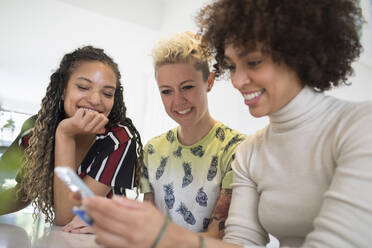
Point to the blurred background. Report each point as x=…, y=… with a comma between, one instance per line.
x=34, y=35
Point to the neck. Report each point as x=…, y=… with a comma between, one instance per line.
x=189, y=135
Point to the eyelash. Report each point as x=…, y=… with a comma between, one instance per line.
x=107, y=95
x=166, y=92
x=250, y=64
x=82, y=87
x=230, y=67
x=186, y=87
x=254, y=63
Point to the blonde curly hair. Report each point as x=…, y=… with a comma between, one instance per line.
x=183, y=47
x=37, y=173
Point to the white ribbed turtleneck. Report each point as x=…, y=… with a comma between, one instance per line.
x=306, y=178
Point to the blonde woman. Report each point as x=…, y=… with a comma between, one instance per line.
x=187, y=170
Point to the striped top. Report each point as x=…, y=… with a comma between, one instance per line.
x=111, y=160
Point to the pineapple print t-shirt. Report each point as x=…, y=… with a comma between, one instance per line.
x=186, y=180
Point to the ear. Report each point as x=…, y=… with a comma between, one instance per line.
x=210, y=81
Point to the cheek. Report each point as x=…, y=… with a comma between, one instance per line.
x=203, y=100
x=233, y=81
x=166, y=101
x=109, y=105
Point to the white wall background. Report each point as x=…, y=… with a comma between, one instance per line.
x=34, y=35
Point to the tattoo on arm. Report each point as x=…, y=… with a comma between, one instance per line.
x=221, y=226
x=223, y=204
x=217, y=222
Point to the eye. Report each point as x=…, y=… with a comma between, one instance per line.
x=254, y=63
x=108, y=94
x=187, y=87
x=230, y=67
x=82, y=87
x=165, y=92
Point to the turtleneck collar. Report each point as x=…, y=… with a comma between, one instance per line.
x=300, y=109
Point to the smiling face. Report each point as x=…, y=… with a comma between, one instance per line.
x=266, y=86
x=184, y=93
x=92, y=85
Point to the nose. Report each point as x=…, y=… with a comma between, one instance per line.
x=95, y=98
x=179, y=98
x=240, y=78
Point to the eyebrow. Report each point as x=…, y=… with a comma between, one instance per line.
x=90, y=81
x=243, y=54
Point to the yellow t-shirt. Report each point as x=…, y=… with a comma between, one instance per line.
x=186, y=180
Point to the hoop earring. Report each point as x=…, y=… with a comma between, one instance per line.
x=60, y=106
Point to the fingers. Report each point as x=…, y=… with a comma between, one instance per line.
x=85, y=121
x=114, y=217
x=107, y=239
x=75, y=223
x=83, y=230
x=106, y=214
x=116, y=233
x=75, y=198
x=124, y=220
x=125, y=202
x=94, y=122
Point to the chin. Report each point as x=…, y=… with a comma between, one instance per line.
x=257, y=114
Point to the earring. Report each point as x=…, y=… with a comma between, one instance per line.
x=60, y=106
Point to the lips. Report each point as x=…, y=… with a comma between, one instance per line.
x=253, y=95
x=91, y=109
x=182, y=112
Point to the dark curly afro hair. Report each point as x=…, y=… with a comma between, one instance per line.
x=318, y=39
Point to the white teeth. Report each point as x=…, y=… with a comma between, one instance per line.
x=184, y=111
x=253, y=95
x=88, y=109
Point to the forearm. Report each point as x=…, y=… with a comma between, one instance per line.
x=64, y=156
x=10, y=202
x=216, y=227
x=187, y=239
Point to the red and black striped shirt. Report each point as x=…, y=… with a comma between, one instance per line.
x=111, y=160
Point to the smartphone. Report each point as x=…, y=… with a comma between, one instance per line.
x=75, y=184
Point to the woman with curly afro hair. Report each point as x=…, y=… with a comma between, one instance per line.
x=306, y=177
x=82, y=124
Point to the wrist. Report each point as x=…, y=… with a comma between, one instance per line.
x=62, y=136
x=63, y=131
x=161, y=233
x=64, y=150
x=175, y=234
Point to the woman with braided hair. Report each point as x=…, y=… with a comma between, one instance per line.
x=82, y=124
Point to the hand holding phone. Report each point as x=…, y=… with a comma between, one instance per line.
x=75, y=184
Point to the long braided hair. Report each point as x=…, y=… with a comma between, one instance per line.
x=37, y=183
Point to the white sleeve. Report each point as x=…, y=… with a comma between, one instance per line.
x=242, y=224
x=345, y=218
